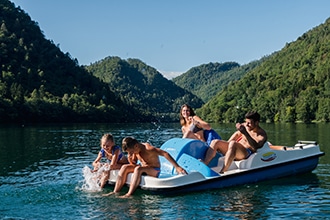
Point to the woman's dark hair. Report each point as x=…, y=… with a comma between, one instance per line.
x=182, y=119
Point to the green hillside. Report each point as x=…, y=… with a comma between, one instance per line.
x=291, y=85
x=143, y=87
x=207, y=80
x=39, y=83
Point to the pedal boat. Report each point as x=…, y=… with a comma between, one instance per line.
x=265, y=164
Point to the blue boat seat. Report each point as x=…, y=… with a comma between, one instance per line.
x=193, y=151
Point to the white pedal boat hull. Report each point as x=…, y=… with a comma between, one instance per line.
x=265, y=164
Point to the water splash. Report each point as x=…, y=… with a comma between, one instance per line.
x=91, y=181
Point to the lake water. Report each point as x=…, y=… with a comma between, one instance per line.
x=41, y=177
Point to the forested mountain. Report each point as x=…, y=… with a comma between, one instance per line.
x=207, y=80
x=39, y=83
x=291, y=85
x=142, y=86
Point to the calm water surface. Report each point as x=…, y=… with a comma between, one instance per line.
x=41, y=177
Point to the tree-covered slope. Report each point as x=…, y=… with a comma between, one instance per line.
x=143, y=87
x=207, y=80
x=292, y=84
x=39, y=83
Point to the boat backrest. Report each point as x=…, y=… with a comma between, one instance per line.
x=265, y=147
x=190, y=164
x=176, y=147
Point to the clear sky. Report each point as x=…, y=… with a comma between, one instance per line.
x=174, y=35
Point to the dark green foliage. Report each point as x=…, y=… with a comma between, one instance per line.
x=290, y=85
x=39, y=83
x=143, y=87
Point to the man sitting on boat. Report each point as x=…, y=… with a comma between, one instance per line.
x=246, y=140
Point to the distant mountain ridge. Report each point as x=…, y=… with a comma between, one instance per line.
x=39, y=83
x=142, y=86
x=206, y=80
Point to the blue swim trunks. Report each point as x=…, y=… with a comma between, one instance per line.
x=157, y=169
x=249, y=151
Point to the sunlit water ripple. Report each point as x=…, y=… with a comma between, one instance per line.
x=51, y=185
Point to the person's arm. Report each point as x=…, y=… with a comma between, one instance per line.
x=183, y=130
x=200, y=123
x=234, y=136
x=97, y=161
x=132, y=159
x=114, y=158
x=256, y=144
x=165, y=154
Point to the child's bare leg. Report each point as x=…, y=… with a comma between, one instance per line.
x=137, y=178
x=122, y=176
x=105, y=178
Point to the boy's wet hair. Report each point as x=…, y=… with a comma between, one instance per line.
x=129, y=143
x=253, y=116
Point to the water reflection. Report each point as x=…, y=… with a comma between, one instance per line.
x=242, y=203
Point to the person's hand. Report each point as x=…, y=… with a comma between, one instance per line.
x=108, y=167
x=180, y=170
x=191, y=119
x=106, y=151
x=240, y=127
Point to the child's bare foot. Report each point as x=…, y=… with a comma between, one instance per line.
x=125, y=196
x=108, y=194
